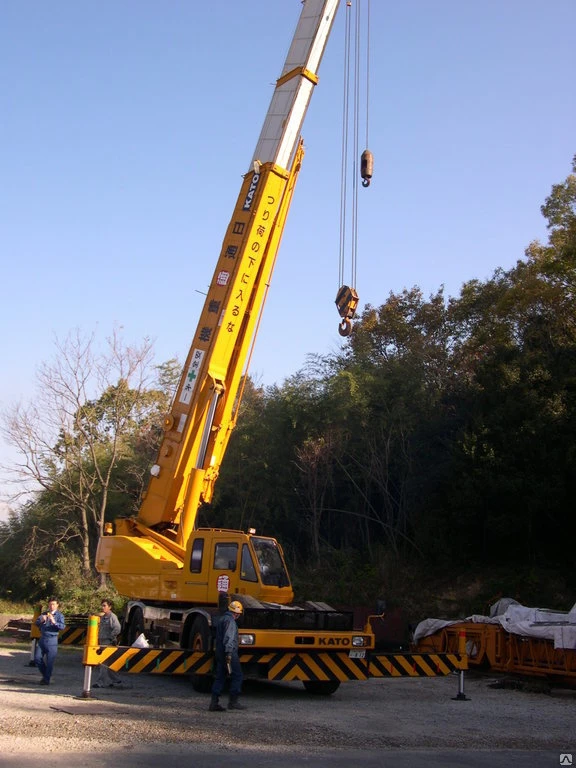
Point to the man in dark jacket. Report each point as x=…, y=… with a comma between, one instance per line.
x=50, y=623
x=108, y=631
x=227, y=660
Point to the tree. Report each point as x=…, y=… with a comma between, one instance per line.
x=557, y=260
x=513, y=460
x=89, y=409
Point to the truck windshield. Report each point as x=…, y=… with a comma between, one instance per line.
x=270, y=562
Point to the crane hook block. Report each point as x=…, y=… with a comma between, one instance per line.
x=345, y=327
x=346, y=303
x=366, y=167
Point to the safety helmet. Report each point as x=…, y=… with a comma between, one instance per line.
x=236, y=607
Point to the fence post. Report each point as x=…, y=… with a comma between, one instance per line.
x=461, y=696
x=34, y=634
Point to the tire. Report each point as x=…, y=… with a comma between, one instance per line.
x=200, y=640
x=321, y=687
x=135, y=624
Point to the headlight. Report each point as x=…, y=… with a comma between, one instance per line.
x=246, y=639
x=359, y=640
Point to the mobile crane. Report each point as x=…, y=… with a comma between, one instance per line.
x=178, y=576
x=174, y=573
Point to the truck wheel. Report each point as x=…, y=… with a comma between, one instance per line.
x=199, y=640
x=321, y=687
x=135, y=624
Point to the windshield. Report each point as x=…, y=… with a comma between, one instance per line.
x=270, y=562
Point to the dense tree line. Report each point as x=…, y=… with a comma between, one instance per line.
x=446, y=428
x=444, y=431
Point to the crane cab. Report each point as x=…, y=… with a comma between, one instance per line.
x=237, y=563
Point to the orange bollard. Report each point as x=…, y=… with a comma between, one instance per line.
x=92, y=632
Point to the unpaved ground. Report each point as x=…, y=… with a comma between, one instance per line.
x=374, y=715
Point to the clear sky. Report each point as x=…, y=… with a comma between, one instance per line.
x=126, y=127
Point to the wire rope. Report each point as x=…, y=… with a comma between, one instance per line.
x=356, y=144
x=344, y=151
x=351, y=162
x=367, y=72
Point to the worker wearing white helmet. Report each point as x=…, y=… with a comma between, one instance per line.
x=227, y=660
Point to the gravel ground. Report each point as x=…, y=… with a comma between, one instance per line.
x=378, y=714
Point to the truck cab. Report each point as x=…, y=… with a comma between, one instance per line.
x=237, y=563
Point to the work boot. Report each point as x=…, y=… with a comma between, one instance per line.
x=235, y=704
x=215, y=706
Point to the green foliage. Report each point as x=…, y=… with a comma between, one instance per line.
x=69, y=583
x=94, y=470
x=439, y=440
x=343, y=577
x=446, y=427
x=77, y=593
x=17, y=607
x=168, y=377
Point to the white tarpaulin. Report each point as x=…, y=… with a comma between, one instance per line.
x=560, y=627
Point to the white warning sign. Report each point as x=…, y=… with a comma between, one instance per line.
x=223, y=583
x=191, y=376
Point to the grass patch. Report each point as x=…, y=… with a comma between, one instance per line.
x=7, y=606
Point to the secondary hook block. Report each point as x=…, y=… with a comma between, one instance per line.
x=366, y=167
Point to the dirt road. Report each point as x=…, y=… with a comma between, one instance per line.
x=380, y=717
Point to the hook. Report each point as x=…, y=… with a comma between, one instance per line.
x=345, y=327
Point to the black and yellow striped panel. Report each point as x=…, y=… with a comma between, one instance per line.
x=415, y=664
x=72, y=635
x=278, y=665
x=310, y=665
x=158, y=661
x=272, y=665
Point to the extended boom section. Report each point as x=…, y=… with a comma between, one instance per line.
x=204, y=411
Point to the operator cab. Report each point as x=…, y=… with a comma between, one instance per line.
x=237, y=563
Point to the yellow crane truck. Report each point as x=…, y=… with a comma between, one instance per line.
x=177, y=575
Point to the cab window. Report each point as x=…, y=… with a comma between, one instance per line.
x=196, y=556
x=247, y=571
x=225, y=557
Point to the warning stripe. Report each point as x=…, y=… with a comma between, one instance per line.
x=415, y=665
x=292, y=665
x=158, y=661
x=72, y=636
x=310, y=665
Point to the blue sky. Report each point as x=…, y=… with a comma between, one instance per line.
x=125, y=129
